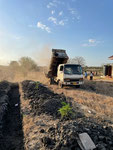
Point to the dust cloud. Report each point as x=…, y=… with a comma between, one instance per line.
x=43, y=56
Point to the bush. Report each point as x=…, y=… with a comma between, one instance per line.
x=65, y=110
x=27, y=64
x=37, y=85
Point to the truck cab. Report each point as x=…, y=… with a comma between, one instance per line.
x=69, y=74
x=63, y=73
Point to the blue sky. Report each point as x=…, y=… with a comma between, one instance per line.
x=82, y=27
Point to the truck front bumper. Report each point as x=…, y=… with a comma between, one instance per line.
x=73, y=83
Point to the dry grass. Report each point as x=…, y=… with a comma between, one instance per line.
x=92, y=96
x=96, y=95
x=101, y=104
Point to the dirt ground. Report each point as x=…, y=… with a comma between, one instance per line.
x=94, y=97
x=12, y=136
x=47, y=129
x=13, y=131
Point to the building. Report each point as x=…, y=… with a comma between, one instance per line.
x=108, y=69
x=111, y=57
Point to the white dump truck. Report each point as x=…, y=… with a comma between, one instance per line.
x=63, y=73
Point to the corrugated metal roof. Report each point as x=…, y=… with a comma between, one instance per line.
x=111, y=57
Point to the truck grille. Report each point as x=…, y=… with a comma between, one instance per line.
x=71, y=80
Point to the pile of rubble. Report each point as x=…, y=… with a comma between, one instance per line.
x=64, y=135
x=42, y=100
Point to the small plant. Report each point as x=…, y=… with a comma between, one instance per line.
x=65, y=110
x=37, y=85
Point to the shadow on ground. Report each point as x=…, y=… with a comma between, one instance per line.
x=13, y=138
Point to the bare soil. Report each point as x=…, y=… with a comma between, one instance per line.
x=12, y=132
x=45, y=130
x=26, y=129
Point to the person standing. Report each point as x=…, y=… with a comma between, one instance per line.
x=85, y=74
x=91, y=75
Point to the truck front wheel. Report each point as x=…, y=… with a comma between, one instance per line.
x=51, y=81
x=77, y=86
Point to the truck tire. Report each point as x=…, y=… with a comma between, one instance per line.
x=51, y=81
x=77, y=86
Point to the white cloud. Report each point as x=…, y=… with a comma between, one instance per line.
x=51, y=4
x=43, y=27
x=62, y=18
x=91, y=43
x=52, y=12
x=92, y=40
x=54, y=20
x=60, y=13
x=74, y=13
x=61, y=23
x=54, y=3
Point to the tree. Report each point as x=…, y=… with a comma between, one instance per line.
x=14, y=64
x=27, y=64
x=77, y=60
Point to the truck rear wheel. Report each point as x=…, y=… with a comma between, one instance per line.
x=51, y=81
x=77, y=86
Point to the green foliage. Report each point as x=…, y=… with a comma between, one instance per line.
x=65, y=110
x=37, y=85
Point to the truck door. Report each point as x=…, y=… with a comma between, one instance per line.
x=60, y=73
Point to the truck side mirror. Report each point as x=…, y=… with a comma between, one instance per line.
x=61, y=68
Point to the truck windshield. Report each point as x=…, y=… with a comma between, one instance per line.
x=72, y=69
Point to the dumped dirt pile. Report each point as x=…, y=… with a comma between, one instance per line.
x=41, y=98
x=64, y=135
x=54, y=133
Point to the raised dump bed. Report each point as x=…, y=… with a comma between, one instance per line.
x=58, y=57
